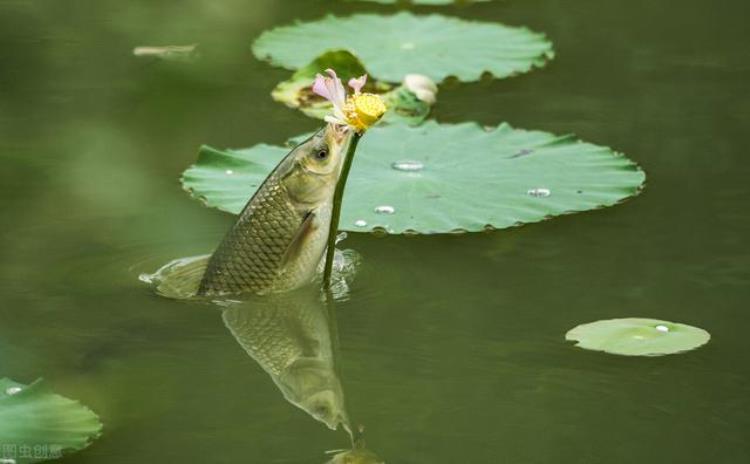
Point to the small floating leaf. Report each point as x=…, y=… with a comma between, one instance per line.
x=439, y=178
x=403, y=104
x=394, y=46
x=638, y=337
x=42, y=425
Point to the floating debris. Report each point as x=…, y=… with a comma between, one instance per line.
x=10, y=391
x=169, y=52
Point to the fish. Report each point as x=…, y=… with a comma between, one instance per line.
x=278, y=240
x=280, y=236
x=290, y=336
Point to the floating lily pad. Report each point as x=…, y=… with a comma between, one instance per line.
x=403, y=105
x=394, y=46
x=439, y=178
x=638, y=337
x=37, y=425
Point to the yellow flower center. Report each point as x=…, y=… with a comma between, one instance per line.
x=364, y=110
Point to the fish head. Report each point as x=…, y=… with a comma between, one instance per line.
x=325, y=406
x=315, y=165
x=313, y=386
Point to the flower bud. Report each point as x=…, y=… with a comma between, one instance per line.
x=421, y=86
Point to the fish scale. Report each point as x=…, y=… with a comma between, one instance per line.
x=250, y=256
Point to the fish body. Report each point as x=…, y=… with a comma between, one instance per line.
x=280, y=236
x=289, y=336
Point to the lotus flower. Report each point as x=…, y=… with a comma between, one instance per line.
x=359, y=110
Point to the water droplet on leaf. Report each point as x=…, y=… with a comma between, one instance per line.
x=539, y=192
x=229, y=172
x=408, y=165
x=662, y=328
x=13, y=390
x=385, y=209
x=360, y=223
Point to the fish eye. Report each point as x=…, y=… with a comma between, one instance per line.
x=321, y=154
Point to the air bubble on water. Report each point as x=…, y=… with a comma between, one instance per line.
x=360, y=223
x=385, y=209
x=407, y=165
x=539, y=192
x=229, y=172
x=10, y=391
x=662, y=328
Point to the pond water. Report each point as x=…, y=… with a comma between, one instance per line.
x=450, y=348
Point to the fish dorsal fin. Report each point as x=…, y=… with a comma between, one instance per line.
x=297, y=244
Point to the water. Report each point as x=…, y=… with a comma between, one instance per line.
x=451, y=348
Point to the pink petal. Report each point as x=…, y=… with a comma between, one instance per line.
x=358, y=83
x=320, y=88
x=336, y=88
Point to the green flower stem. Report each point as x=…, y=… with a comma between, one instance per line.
x=336, y=213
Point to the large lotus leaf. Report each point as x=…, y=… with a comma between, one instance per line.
x=37, y=425
x=439, y=178
x=403, y=105
x=393, y=46
x=637, y=337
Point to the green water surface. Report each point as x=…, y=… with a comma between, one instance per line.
x=451, y=347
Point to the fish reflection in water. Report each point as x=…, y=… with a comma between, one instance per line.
x=289, y=336
x=359, y=454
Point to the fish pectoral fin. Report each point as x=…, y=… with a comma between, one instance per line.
x=297, y=244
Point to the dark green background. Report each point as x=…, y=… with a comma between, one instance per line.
x=452, y=347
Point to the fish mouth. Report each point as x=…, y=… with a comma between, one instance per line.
x=342, y=135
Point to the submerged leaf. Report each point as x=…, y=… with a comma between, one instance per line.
x=440, y=178
x=394, y=46
x=403, y=105
x=40, y=425
x=638, y=337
